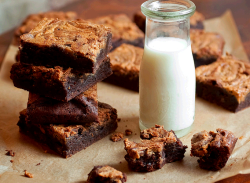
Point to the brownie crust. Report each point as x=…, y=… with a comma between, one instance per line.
x=81, y=109
x=125, y=63
x=214, y=149
x=207, y=47
x=56, y=83
x=76, y=44
x=67, y=140
x=123, y=30
x=32, y=20
x=106, y=174
x=220, y=96
x=225, y=83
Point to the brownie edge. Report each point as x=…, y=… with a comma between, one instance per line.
x=67, y=140
x=78, y=44
x=56, y=83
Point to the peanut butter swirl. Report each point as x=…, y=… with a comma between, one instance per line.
x=77, y=36
x=121, y=26
x=206, y=45
x=229, y=73
x=126, y=57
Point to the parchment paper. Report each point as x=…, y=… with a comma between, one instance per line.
x=53, y=168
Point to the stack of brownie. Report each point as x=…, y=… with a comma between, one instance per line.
x=61, y=62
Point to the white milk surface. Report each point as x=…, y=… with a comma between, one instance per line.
x=167, y=84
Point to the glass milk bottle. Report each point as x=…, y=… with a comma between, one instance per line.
x=167, y=73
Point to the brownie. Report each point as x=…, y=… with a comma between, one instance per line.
x=67, y=140
x=207, y=47
x=81, y=109
x=123, y=30
x=146, y=156
x=77, y=44
x=157, y=148
x=196, y=20
x=225, y=82
x=106, y=174
x=213, y=149
x=32, y=20
x=118, y=136
x=125, y=63
x=56, y=83
x=173, y=147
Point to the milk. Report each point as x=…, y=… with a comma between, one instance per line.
x=167, y=84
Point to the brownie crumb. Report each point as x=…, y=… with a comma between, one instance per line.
x=27, y=174
x=128, y=132
x=115, y=137
x=11, y=161
x=38, y=164
x=10, y=153
x=118, y=119
x=106, y=174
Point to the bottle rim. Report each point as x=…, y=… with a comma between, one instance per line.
x=164, y=9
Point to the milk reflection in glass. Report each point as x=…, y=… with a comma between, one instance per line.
x=167, y=84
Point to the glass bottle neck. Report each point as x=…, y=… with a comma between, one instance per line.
x=167, y=29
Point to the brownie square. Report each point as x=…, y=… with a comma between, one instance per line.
x=67, y=140
x=32, y=20
x=173, y=147
x=157, y=148
x=81, y=109
x=106, y=174
x=77, y=44
x=207, y=47
x=123, y=30
x=213, y=149
x=196, y=20
x=56, y=83
x=125, y=63
x=225, y=83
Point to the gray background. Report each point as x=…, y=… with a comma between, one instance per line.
x=12, y=12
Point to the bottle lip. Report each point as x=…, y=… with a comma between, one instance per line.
x=168, y=9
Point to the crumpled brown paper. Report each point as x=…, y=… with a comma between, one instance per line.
x=53, y=168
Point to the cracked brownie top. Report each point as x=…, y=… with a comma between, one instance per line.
x=203, y=141
x=206, y=45
x=109, y=172
x=229, y=73
x=126, y=58
x=32, y=20
x=81, y=37
x=144, y=148
x=121, y=26
x=158, y=133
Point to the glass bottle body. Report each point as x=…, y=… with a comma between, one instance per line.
x=167, y=76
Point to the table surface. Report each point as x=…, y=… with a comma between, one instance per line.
x=210, y=8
